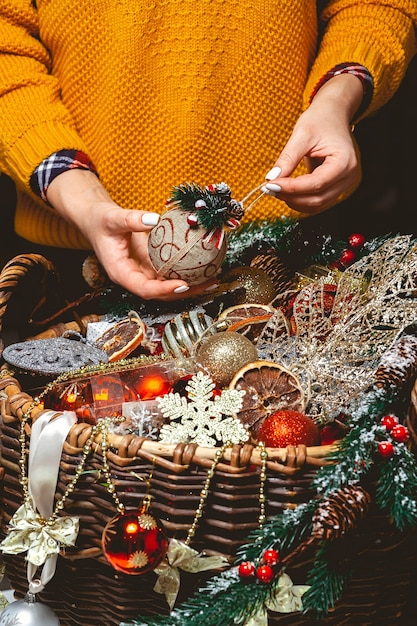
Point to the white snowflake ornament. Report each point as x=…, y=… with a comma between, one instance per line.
x=201, y=418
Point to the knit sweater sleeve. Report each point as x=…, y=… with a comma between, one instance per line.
x=34, y=123
x=378, y=34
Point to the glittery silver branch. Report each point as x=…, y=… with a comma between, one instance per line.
x=336, y=352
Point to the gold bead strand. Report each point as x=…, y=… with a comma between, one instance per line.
x=103, y=427
x=262, y=479
x=205, y=492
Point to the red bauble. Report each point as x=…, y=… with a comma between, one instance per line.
x=150, y=387
x=270, y=557
x=246, y=569
x=331, y=432
x=389, y=421
x=347, y=257
x=265, y=574
x=386, y=449
x=134, y=542
x=400, y=433
x=356, y=240
x=288, y=428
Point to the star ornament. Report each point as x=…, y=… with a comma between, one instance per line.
x=40, y=538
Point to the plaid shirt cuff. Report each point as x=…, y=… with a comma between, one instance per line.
x=357, y=70
x=54, y=165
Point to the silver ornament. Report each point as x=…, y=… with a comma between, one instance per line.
x=181, y=333
x=28, y=611
x=53, y=356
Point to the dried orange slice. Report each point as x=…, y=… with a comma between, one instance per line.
x=121, y=339
x=246, y=310
x=269, y=388
x=251, y=327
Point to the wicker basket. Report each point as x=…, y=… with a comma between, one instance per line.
x=86, y=590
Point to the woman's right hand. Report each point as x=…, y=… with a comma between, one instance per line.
x=118, y=236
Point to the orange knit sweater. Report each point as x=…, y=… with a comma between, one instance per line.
x=158, y=93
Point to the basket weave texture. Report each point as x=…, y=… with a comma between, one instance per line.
x=86, y=590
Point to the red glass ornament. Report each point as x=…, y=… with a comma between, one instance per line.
x=386, y=449
x=400, y=433
x=288, y=428
x=246, y=569
x=347, y=257
x=265, y=574
x=151, y=385
x=356, y=240
x=134, y=542
x=270, y=557
x=389, y=421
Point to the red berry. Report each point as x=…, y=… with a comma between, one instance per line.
x=389, y=421
x=270, y=557
x=347, y=257
x=192, y=220
x=386, y=449
x=356, y=240
x=246, y=569
x=265, y=574
x=400, y=433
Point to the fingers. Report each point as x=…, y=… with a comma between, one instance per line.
x=165, y=290
x=122, y=221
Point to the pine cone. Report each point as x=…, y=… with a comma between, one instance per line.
x=282, y=277
x=340, y=512
x=398, y=366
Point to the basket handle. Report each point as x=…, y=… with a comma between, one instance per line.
x=15, y=270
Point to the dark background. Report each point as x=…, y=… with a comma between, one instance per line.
x=385, y=202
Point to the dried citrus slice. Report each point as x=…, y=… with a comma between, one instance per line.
x=121, y=339
x=251, y=327
x=269, y=388
x=243, y=311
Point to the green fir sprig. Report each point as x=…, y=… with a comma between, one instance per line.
x=211, y=204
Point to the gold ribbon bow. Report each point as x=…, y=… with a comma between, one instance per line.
x=285, y=599
x=180, y=556
x=30, y=533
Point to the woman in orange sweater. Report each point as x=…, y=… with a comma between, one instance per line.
x=104, y=107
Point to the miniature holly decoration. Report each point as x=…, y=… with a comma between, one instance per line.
x=246, y=570
x=386, y=449
x=265, y=571
x=356, y=240
x=389, y=421
x=265, y=574
x=398, y=432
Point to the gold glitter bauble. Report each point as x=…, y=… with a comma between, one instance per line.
x=257, y=285
x=223, y=354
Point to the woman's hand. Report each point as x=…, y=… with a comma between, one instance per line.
x=117, y=236
x=322, y=137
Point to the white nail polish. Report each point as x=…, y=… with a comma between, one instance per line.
x=212, y=287
x=274, y=173
x=273, y=187
x=181, y=289
x=150, y=219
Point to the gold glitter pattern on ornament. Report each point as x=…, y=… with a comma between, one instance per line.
x=147, y=521
x=257, y=285
x=138, y=559
x=336, y=352
x=224, y=353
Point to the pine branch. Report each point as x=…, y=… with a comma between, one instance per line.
x=282, y=532
x=326, y=583
x=224, y=600
x=397, y=488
